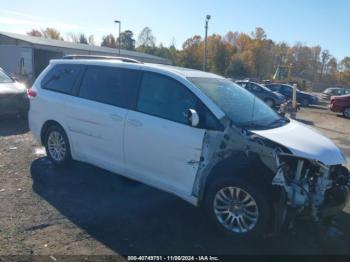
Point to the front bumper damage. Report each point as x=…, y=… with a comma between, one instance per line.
x=309, y=189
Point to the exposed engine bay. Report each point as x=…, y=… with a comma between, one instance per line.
x=307, y=186
x=311, y=187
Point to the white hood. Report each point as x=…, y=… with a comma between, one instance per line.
x=304, y=142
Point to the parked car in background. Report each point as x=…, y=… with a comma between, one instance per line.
x=269, y=97
x=304, y=98
x=334, y=91
x=193, y=134
x=13, y=96
x=341, y=104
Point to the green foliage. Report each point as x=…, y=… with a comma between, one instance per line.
x=237, y=69
x=109, y=41
x=126, y=40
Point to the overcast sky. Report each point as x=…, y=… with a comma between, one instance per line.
x=312, y=22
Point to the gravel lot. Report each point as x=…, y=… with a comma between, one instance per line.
x=84, y=210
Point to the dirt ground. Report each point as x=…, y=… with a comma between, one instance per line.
x=83, y=210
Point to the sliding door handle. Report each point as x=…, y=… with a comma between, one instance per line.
x=135, y=122
x=116, y=117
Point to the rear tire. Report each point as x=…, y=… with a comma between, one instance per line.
x=346, y=112
x=57, y=146
x=305, y=102
x=238, y=208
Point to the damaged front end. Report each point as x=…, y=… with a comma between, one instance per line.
x=302, y=187
x=310, y=188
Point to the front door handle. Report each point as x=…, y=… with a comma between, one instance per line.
x=193, y=162
x=135, y=122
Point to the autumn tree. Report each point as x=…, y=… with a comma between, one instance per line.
x=325, y=56
x=218, y=55
x=35, y=33
x=345, y=64
x=51, y=33
x=192, y=53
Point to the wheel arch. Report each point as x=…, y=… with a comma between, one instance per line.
x=46, y=127
x=236, y=165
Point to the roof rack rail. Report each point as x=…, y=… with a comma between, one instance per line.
x=123, y=59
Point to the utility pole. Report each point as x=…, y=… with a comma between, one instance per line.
x=206, y=43
x=118, y=22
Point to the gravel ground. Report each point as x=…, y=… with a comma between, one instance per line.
x=83, y=210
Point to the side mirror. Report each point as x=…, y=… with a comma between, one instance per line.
x=193, y=117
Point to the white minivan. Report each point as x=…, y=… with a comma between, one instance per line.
x=190, y=133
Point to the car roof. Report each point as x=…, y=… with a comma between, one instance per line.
x=180, y=71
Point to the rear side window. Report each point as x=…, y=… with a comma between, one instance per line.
x=255, y=88
x=61, y=78
x=110, y=85
x=275, y=88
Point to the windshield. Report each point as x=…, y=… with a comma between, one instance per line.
x=5, y=78
x=242, y=107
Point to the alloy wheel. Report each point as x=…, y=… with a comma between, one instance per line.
x=236, y=209
x=56, y=146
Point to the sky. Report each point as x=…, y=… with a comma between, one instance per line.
x=312, y=22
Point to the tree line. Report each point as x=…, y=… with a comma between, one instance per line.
x=235, y=55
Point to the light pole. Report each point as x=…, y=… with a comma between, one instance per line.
x=120, y=23
x=206, y=43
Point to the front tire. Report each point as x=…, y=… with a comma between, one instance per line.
x=57, y=146
x=238, y=208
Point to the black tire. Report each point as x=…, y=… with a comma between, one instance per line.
x=346, y=113
x=305, y=102
x=261, y=198
x=67, y=158
x=270, y=102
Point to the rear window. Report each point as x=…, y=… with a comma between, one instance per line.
x=110, y=85
x=61, y=78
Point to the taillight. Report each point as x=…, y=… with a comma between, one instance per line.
x=31, y=93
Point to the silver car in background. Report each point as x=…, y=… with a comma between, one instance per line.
x=13, y=96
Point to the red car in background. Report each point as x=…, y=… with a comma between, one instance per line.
x=341, y=104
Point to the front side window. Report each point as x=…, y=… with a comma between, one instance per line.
x=109, y=85
x=61, y=78
x=4, y=78
x=164, y=97
x=242, y=107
